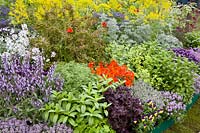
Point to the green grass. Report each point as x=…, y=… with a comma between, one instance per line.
x=190, y=124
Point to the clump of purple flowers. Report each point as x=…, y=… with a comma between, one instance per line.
x=174, y=103
x=24, y=85
x=124, y=108
x=193, y=54
x=4, y=21
x=23, y=126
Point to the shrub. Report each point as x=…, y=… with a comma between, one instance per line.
x=25, y=86
x=75, y=75
x=192, y=39
x=72, y=39
x=15, y=125
x=168, y=41
x=114, y=71
x=125, y=32
x=166, y=71
x=145, y=92
x=88, y=107
x=124, y=108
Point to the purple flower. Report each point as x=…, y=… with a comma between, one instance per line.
x=22, y=80
x=118, y=15
x=193, y=54
x=25, y=126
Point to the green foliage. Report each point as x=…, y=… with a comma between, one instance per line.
x=75, y=75
x=99, y=126
x=168, y=41
x=161, y=68
x=70, y=38
x=149, y=118
x=145, y=92
x=192, y=39
x=89, y=106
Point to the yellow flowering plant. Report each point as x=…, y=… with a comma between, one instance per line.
x=147, y=10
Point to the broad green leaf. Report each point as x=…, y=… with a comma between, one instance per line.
x=83, y=108
x=65, y=119
x=60, y=120
x=51, y=111
x=68, y=106
x=55, y=118
x=73, y=114
x=91, y=120
x=72, y=122
x=98, y=116
x=46, y=116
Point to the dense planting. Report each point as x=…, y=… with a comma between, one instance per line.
x=88, y=66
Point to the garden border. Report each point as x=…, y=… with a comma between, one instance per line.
x=168, y=123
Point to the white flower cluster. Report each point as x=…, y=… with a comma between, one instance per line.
x=15, y=41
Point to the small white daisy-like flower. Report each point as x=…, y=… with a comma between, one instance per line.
x=53, y=54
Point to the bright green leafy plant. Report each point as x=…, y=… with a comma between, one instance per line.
x=192, y=39
x=75, y=75
x=70, y=109
x=164, y=71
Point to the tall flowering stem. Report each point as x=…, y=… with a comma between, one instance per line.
x=24, y=84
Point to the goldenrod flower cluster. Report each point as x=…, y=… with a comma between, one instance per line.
x=147, y=9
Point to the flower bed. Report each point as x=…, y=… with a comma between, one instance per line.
x=88, y=66
x=168, y=123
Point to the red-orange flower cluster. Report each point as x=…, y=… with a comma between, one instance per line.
x=69, y=30
x=104, y=24
x=114, y=71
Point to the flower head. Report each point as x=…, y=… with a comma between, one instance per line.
x=104, y=24
x=70, y=30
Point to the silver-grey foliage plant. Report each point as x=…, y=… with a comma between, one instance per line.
x=145, y=92
x=168, y=41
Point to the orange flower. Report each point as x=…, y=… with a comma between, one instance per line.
x=91, y=65
x=104, y=24
x=69, y=30
x=114, y=71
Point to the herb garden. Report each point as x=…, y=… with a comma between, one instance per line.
x=97, y=66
